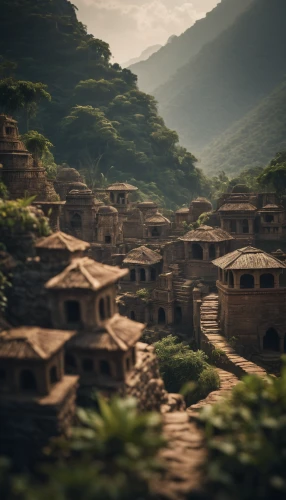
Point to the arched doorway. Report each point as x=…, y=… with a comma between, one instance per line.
x=161, y=316
x=178, y=315
x=267, y=281
x=107, y=239
x=155, y=232
x=142, y=274
x=212, y=252
x=271, y=340
x=76, y=222
x=28, y=381
x=133, y=275
x=197, y=251
x=132, y=315
x=247, y=281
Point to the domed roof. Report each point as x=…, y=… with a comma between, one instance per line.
x=79, y=186
x=142, y=255
x=147, y=204
x=183, y=210
x=80, y=192
x=68, y=174
x=202, y=201
x=157, y=218
x=248, y=258
x=207, y=234
x=107, y=210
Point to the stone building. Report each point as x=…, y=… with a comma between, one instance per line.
x=79, y=213
x=238, y=219
x=157, y=227
x=252, y=299
x=147, y=208
x=133, y=225
x=108, y=226
x=66, y=180
x=37, y=399
x=144, y=267
x=190, y=215
x=20, y=172
x=201, y=246
x=119, y=196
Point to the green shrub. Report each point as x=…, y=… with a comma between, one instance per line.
x=143, y=293
x=218, y=357
x=180, y=365
x=246, y=438
x=208, y=381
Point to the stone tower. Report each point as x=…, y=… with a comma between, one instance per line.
x=20, y=172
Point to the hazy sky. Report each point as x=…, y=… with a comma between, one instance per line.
x=130, y=26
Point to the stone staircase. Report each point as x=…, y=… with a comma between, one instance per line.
x=182, y=291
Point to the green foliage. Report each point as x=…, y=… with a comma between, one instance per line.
x=3, y=191
x=110, y=455
x=16, y=217
x=40, y=147
x=180, y=365
x=203, y=218
x=274, y=175
x=218, y=357
x=143, y=293
x=4, y=284
x=246, y=441
x=97, y=116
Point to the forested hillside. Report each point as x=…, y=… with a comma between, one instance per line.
x=163, y=64
x=97, y=118
x=253, y=141
x=228, y=77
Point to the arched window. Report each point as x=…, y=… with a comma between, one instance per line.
x=108, y=306
x=132, y=315
x=245, y=226
x=102, y=314
x=197, y=252
x=87, y=365
x=104, y=367
x=161, y=316
x=155, y=232
x=247, y=281
x=271, y=341
x=142, y=274
x=107, y=239
x=212, y=251
x=28, y=381
x=121, y=199
x=76, y=222
x=53, y=375
x=267, y=281
x=72, y=311
x=70, y=363
x=153, y=274
x=132, y=275
x=233, y=226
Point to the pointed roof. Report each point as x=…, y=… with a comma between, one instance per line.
x=121, y=186
x=142, y=255
x=86, y=274
x=207, y=234
x=62, y=241
x=32, y=342
x=248, y=258
x=118, y=334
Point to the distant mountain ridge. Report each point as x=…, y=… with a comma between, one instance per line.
x=156, y=70
x=229, y=77
x=143, y=56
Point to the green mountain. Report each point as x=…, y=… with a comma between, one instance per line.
x=163, y=64
x=98, y=120
x=229, y=76
x=254, y=140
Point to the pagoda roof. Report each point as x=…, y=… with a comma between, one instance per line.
x=248, y=258
x=62, y=241
x=142, y=255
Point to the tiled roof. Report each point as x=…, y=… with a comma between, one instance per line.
x=86, y=274
x=118, y=333
x=237, y=207
x=121, y=186
x=32, y=342
x=62, y=241
x=142, y=255
x=157, y=219
x=207, y=234
x=184, y=210
x=271, y=206
x=248, y=258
